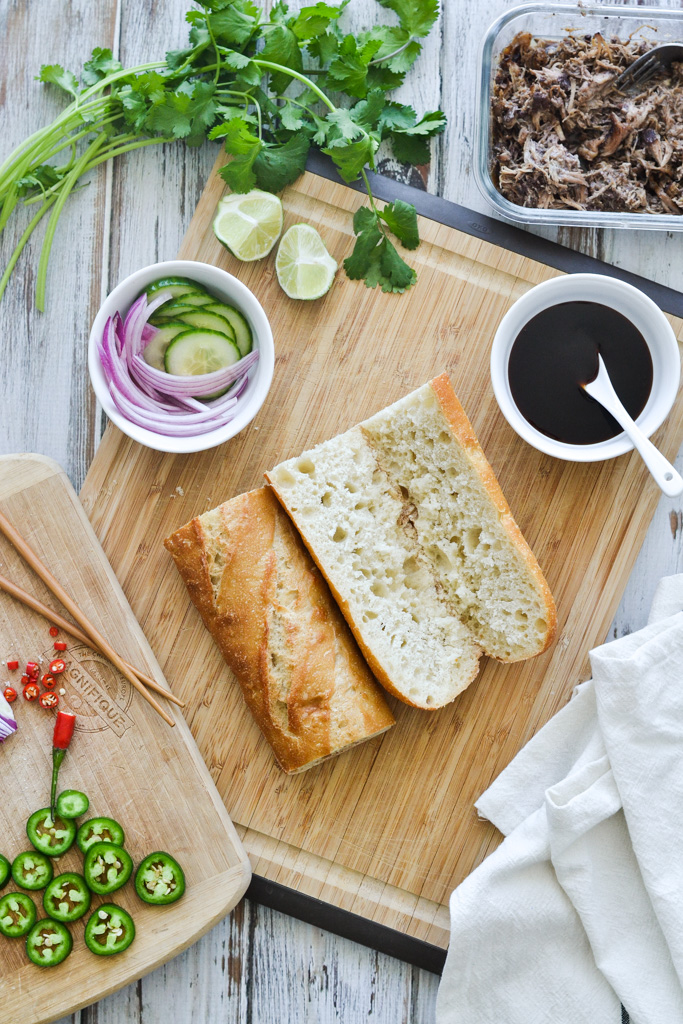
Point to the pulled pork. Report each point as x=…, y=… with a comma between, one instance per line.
x=564, y=138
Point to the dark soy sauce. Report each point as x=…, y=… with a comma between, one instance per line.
x=557, y=351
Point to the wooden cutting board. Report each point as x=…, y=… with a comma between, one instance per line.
x=388, y=829
x=133, y=766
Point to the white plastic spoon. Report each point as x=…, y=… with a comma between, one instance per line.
x=661, y=469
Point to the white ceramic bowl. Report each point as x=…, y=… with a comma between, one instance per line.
x=631, y=303
x=226, y=288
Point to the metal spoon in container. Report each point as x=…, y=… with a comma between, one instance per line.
x=661, y=469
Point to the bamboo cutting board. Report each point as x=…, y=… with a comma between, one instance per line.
x=133, y=766
x=387, y=829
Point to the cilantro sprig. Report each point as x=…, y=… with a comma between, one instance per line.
x=269, y=88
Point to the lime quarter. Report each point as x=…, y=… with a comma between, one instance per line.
x=248, y=225
x=304, y=267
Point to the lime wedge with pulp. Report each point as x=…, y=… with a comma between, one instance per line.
x=304, y=267
x=248, y=225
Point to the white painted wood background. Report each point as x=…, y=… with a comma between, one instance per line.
x=257, y=966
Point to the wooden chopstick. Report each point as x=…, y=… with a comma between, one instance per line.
x=29, y=555
x=68, y=627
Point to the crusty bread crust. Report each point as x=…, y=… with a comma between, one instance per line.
x=465, y=435
x=273, y=618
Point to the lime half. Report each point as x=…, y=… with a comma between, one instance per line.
x=248, y=225
x=304, y=267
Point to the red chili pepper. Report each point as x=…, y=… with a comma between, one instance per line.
x=60, y=645
x=31, y=691
x=25, y=680
x=10, y=694
x=12, y=664
x=54, y=631
x=49, y=682
x=56, y=666
x=48, y=700
x=64, y=730
x=32, y=668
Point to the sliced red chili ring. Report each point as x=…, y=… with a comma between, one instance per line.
x=54, y=631
x=5, y=871
x=10, y=694
x=60, y=645
x=107, y=867
x=109, y=930
x=12, y=664
x=31, y=870
x=67, y=897
x=56, y=666
x=159, y=879
x=48, y=699
x=48, y=943
x=31, y=691
x=25, y=680
x=32, y=668
x=48, y=681
x=99, y=830
x=52, y=838
x=17, y=914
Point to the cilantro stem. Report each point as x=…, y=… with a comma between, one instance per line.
x=33, y=223
x=67, y=186
x=381, y=60
x=299, y=77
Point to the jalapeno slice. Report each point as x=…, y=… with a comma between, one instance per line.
x=107, y=867
x=5, y=871
x=17, y=914
x=109, y=930
x=72, y=804
x=50, y=837
x=31, y=870
x=159, y=879
x=99, y=830
x=48, y=943
x=67, y=897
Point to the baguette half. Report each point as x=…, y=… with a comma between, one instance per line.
x=405, y=518
x=277, y=626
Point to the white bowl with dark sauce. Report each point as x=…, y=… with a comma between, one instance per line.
x=547, y=345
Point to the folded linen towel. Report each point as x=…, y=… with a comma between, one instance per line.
x=580, y=910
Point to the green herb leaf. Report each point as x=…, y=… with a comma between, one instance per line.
x=374, y=259
x=282, y=47
x=99, y=66
x=401, y=218
x=410, y=144
x=56, y=75
x=315, y=20
x=278, y=166
x=351, y=157
x=234, y=24
x=416, y=16
x=349, y=70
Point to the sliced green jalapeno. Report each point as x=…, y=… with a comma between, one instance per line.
x=50, y=837
x=109, y=930
x=159, y=879
x=67, y=897
x=107, y=867
x=17, y=914
x=72, y=804
x=99, y=830
x=48, y=943
x=5, y=871
x=31, y=870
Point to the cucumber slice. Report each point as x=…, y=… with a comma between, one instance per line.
x=170, y=311
x=209, y=321
x=200, y=351
x=198, y=299
x=155, y=350
x=176, y=285
x=238, y=322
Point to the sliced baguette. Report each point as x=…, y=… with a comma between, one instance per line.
x=277, y=626
x=406, y=520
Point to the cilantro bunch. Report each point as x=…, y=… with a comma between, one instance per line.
x=268, y=88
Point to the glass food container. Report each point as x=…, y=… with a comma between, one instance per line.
x=553, y=21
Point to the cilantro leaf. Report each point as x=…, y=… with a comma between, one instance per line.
x=42, y=177
x=56, y=74
x=389, y=270
x=281, y=47
x=324, y=47
x=416, y=16
x=411, y=144
x=278, y=166
x=351, y=157
x=313, y=21
x=374, y=259
x=348, y=72
x=234, y=24
x=100, y=65
x=401, y=218
x=244, y=147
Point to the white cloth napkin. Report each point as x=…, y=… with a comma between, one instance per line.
x=580, y=910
